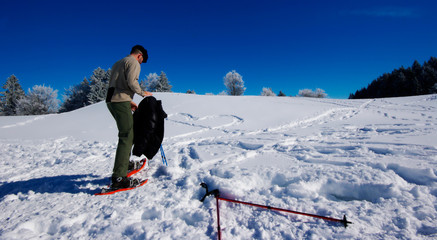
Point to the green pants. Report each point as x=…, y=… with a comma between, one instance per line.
x=121, y=111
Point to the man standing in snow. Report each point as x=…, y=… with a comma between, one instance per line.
x=123, y=85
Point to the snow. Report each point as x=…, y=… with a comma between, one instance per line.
x=373, y=160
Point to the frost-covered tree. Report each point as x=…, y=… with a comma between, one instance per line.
x=267, y=92
x=98, y=85
x=306, y=93
x=151, y=83
x=234, y=83
x=157, y=83
x=319, y=93
x=76, y=96
x=164, y=84
x=40, y=100
x=9, y=98
x=189, y=91
x=87, y=92
x=143, y=85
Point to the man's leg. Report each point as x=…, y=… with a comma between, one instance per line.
x=121, y=111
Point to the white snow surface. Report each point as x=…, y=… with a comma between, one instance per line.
x=373, y=160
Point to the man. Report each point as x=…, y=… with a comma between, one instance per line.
x=122, y=87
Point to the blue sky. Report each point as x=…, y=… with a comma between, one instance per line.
x=338, y=46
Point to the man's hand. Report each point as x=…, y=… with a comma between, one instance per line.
x=147, y=94
x=133, y=106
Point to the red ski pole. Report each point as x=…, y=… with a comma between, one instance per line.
x=219, y=231
x=344, y=220
x=216, y=194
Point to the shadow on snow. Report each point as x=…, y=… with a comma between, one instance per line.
x=73, y=184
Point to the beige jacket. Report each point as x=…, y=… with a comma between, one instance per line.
x=124, y=79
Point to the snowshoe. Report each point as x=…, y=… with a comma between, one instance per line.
x=121, y=184
x=136, y=166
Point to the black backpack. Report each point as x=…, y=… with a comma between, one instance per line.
x=148, y=127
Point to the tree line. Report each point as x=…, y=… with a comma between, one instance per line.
x=415, y=80
x=39, y=100
x=44, y=100
x=94, y=90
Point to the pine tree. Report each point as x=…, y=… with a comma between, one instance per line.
x=164, y=84
x=429, y=76
x=152, y=82
x=10, y=97
x=76, y=96
x=87, y=92
x=143, y=85
x=234, y=83
x=155, y=83
x=40, y=100
x=98, y=85
x=281, y=94
x=414, y=80
x=433, y=89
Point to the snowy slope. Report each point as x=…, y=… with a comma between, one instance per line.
x=372, y=160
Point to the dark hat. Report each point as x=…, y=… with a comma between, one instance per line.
x=142, y=50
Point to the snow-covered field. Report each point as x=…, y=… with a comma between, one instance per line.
x=374, y=161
